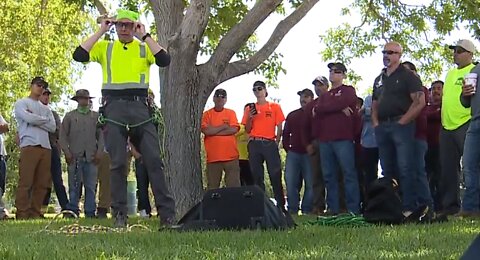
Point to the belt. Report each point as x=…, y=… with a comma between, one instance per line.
x=390, y=119
x=126, y=98
x=260, y=139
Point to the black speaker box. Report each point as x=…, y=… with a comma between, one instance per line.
x=244, y=207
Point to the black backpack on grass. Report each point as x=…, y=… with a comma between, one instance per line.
x=384, y=205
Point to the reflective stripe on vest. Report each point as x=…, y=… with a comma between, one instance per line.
x=120, y=86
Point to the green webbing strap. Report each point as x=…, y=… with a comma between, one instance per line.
x=349, y=220
x=156, y=118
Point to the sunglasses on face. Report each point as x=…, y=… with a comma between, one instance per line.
x=127, y=25
x=336, y=71
x=220, y=96
x=459, y=50
x=255, y=89
x=389, y=52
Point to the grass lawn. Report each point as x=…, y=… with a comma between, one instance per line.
x=24, y=240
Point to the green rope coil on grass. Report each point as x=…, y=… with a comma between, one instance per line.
x=342, y=220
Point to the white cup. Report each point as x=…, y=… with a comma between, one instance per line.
x=471, y=79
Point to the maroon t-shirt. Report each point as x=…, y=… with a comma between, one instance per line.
x=335, y=125
x=293, y=131
x=434, y=124
x=421, y=120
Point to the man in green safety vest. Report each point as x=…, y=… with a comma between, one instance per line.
x=126, y=64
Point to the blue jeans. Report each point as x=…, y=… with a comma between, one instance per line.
x=142, y=186
x=297, y=169
x=471, y=167
x=82, y=172
x=56, y=169
x=422, y=187
x=333, y=154
x=396, y=145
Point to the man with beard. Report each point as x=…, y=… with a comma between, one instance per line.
x=298, y=167
x=397, y=100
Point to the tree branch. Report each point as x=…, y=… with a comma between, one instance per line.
x=100, y=7
x=239, y=34
x=244, y=66
x=168, y=17
x=195, y=22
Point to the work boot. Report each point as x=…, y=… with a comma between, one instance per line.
x=168, y=223
x=120, y=220
x=102, y=213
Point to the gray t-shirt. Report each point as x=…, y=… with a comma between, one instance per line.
x=35, y=121
x=473, y=101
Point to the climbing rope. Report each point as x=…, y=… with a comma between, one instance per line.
x=75, y=228
x=156, y=118
x=349, y=220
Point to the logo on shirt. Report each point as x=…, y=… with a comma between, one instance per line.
x=226, y=121
x=459, y=81
x=268, y=114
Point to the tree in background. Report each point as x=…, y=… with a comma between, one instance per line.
x=420, y=28
x=37, y=38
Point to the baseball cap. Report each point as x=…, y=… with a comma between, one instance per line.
x=39, y=81
x=127, y=14
x=220, y=92
x=307, y=92
x=464, y=43
x=47, y=90
x=323, y=80
x=338, y=66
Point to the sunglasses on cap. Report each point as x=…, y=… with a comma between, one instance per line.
x=260, y=88
x=220, y=96
x=389, y=52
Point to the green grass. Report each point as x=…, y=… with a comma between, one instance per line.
x=24, y=240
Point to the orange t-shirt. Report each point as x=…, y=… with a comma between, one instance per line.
x=265, y=122
x=220, y=148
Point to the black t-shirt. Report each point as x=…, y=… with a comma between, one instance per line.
x=393, y=92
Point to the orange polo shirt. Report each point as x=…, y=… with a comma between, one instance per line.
x=220, y=148
x=265, y=122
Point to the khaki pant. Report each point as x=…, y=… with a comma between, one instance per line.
x=104, y=196
x=215, y=172
x=34, y=182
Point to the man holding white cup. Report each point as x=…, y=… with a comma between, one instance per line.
x=471, y=152
x=455, y=121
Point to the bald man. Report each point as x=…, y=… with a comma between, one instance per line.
x=397, y=100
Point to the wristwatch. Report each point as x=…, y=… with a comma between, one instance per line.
x=146, y=36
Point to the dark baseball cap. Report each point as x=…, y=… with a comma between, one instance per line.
x=220, y=92
x=259, y=83
x=307, y=92
x=323, y=80
x=39, y=81
x=338, y=66
x=47, y=90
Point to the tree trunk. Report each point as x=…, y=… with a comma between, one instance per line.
x=182, y=103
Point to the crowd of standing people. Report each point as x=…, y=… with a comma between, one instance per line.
x=333, y=142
